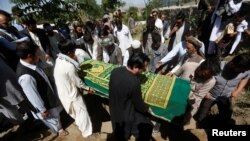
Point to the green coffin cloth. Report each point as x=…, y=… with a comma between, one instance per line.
x=167, y=96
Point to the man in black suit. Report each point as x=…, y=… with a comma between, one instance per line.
x=9, y=35
x=39, y=37
x=127, y=108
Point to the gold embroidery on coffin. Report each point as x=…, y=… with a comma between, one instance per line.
x=156, y=89
x=160, y=91
x=99, y=73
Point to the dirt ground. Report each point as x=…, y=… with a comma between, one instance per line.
x=102, y=125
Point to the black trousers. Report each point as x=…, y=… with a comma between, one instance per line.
x=224, y=106
x=141, y=131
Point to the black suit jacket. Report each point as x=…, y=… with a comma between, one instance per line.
x=42, y=37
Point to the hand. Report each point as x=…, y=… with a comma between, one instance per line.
x=91, y=91
x=235, y=93
x=45, y=114
x=46, y=57
x=163, y=71
x=158, y=65
x=207, y=96
x=175, y=28
x=233, y=34
x=149, y=110
x=170, y=74
x=209, y=8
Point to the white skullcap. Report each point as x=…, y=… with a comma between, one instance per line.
x=136, y=44
x=106, y=16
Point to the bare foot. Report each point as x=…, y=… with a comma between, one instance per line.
x=63, y=133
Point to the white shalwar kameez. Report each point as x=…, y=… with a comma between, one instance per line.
x=67, y=83
x=124, y=38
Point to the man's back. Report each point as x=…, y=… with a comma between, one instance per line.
x=121, y=87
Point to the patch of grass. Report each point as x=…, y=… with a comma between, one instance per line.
x=243, y=105
x=248, y=93
x=243, y=101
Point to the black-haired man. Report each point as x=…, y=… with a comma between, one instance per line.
x=127, y=108
x=38, y=89
x=229, y=83
x=68, y=84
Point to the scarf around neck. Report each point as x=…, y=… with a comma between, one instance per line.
x=70, y=60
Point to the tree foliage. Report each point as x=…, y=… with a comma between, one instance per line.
x=112, y=5
x=85, y=9
x=151, y=4
x=53, y=10
x=134, y=11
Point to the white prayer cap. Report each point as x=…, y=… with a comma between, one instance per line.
x=106, y=16
x=136, y=44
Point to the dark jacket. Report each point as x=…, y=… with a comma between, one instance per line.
x=172, y=38
x=49, y=98
x=8, y=48
x=125, y=97
x=203, y=4
x=44, y=40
